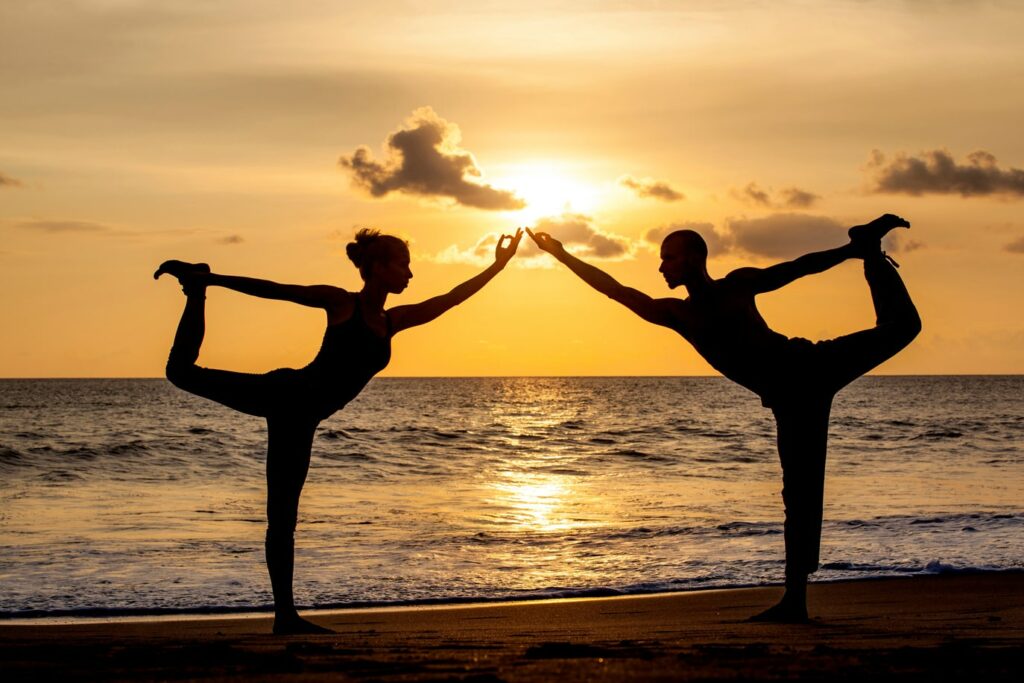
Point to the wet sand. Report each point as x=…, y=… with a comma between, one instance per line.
x=920, y=628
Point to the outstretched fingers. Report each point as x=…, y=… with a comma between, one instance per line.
x=545, y=241
x=503, y=252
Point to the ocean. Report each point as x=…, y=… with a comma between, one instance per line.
x=128, y=496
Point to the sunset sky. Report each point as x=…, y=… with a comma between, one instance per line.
x=258, y=136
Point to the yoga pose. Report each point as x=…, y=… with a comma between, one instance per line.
x=796, y=378
x=356, y=346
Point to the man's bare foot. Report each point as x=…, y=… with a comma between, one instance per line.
x=871, y=234
x=295, y=626
x=782, y=613
x=180, y=269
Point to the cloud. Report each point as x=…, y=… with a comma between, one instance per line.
x=1016, y=246
x=655, y=189
x=64, y=226
x=795, y=198
x=789, y=198
x=937, y=172
x=575, y=231
x=785, y=235
x=718, y=243
x=8, y=181
x=898, y=242
x=230, y=239
x=424, y=159
x=480, y=253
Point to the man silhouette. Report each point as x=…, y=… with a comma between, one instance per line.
x=796, y=378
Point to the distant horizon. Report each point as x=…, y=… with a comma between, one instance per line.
x=379, y=377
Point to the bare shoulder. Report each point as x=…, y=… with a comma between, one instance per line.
x=340, y=303
x=746, y=279
x=744, y=274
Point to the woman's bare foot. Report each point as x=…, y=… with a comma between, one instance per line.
x=295, y=626
x=180, y=269
x=190, y=275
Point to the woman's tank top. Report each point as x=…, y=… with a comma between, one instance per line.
x=351, y=354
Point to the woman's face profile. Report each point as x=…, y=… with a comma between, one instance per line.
x=394, y=272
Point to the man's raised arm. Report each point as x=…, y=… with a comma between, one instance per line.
x=658, y=311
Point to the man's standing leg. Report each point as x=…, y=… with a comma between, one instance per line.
x=802, y=434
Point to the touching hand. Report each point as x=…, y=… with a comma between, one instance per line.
x=504, y=252
x=546, y=242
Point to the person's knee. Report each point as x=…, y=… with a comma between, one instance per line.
x=906, y=327
x=281, y=524
x=183, y=373
x=913, y=324
x=177, y=372
x=280, y=535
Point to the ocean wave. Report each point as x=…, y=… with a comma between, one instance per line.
x=679, y=585
x=335, y=434
x=958, y=519
x=930, y=568
x=10, y=454
x=940, y=434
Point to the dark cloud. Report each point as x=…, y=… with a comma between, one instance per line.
x=64, y=226
x=230, y=239
x=651, y=188
x=718, y=244
x=424, y=159
x=785, y=235
x=8, y=181
x=937, y=172
x=1016, y=246
x=788, y=198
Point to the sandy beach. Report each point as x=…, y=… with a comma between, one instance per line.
x=907, y=629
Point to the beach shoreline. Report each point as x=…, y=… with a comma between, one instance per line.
x=905, y=628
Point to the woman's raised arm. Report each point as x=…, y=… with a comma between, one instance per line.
x=411, y=315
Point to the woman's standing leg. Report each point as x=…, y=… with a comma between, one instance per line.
x=289, y=442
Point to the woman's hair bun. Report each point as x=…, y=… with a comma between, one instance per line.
x=357, y=250
x=371, y=246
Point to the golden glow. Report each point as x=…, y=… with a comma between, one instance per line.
x=548, y=191
x=535, y=502
x=138, y=136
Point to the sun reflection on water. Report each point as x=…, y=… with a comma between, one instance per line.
x=535, y=502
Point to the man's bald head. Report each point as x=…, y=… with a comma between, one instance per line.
x=689, y=241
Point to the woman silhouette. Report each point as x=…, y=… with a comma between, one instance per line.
x=356, y=346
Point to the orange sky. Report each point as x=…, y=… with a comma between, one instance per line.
x=135, y=131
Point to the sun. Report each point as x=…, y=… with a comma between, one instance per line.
x=547, y=191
